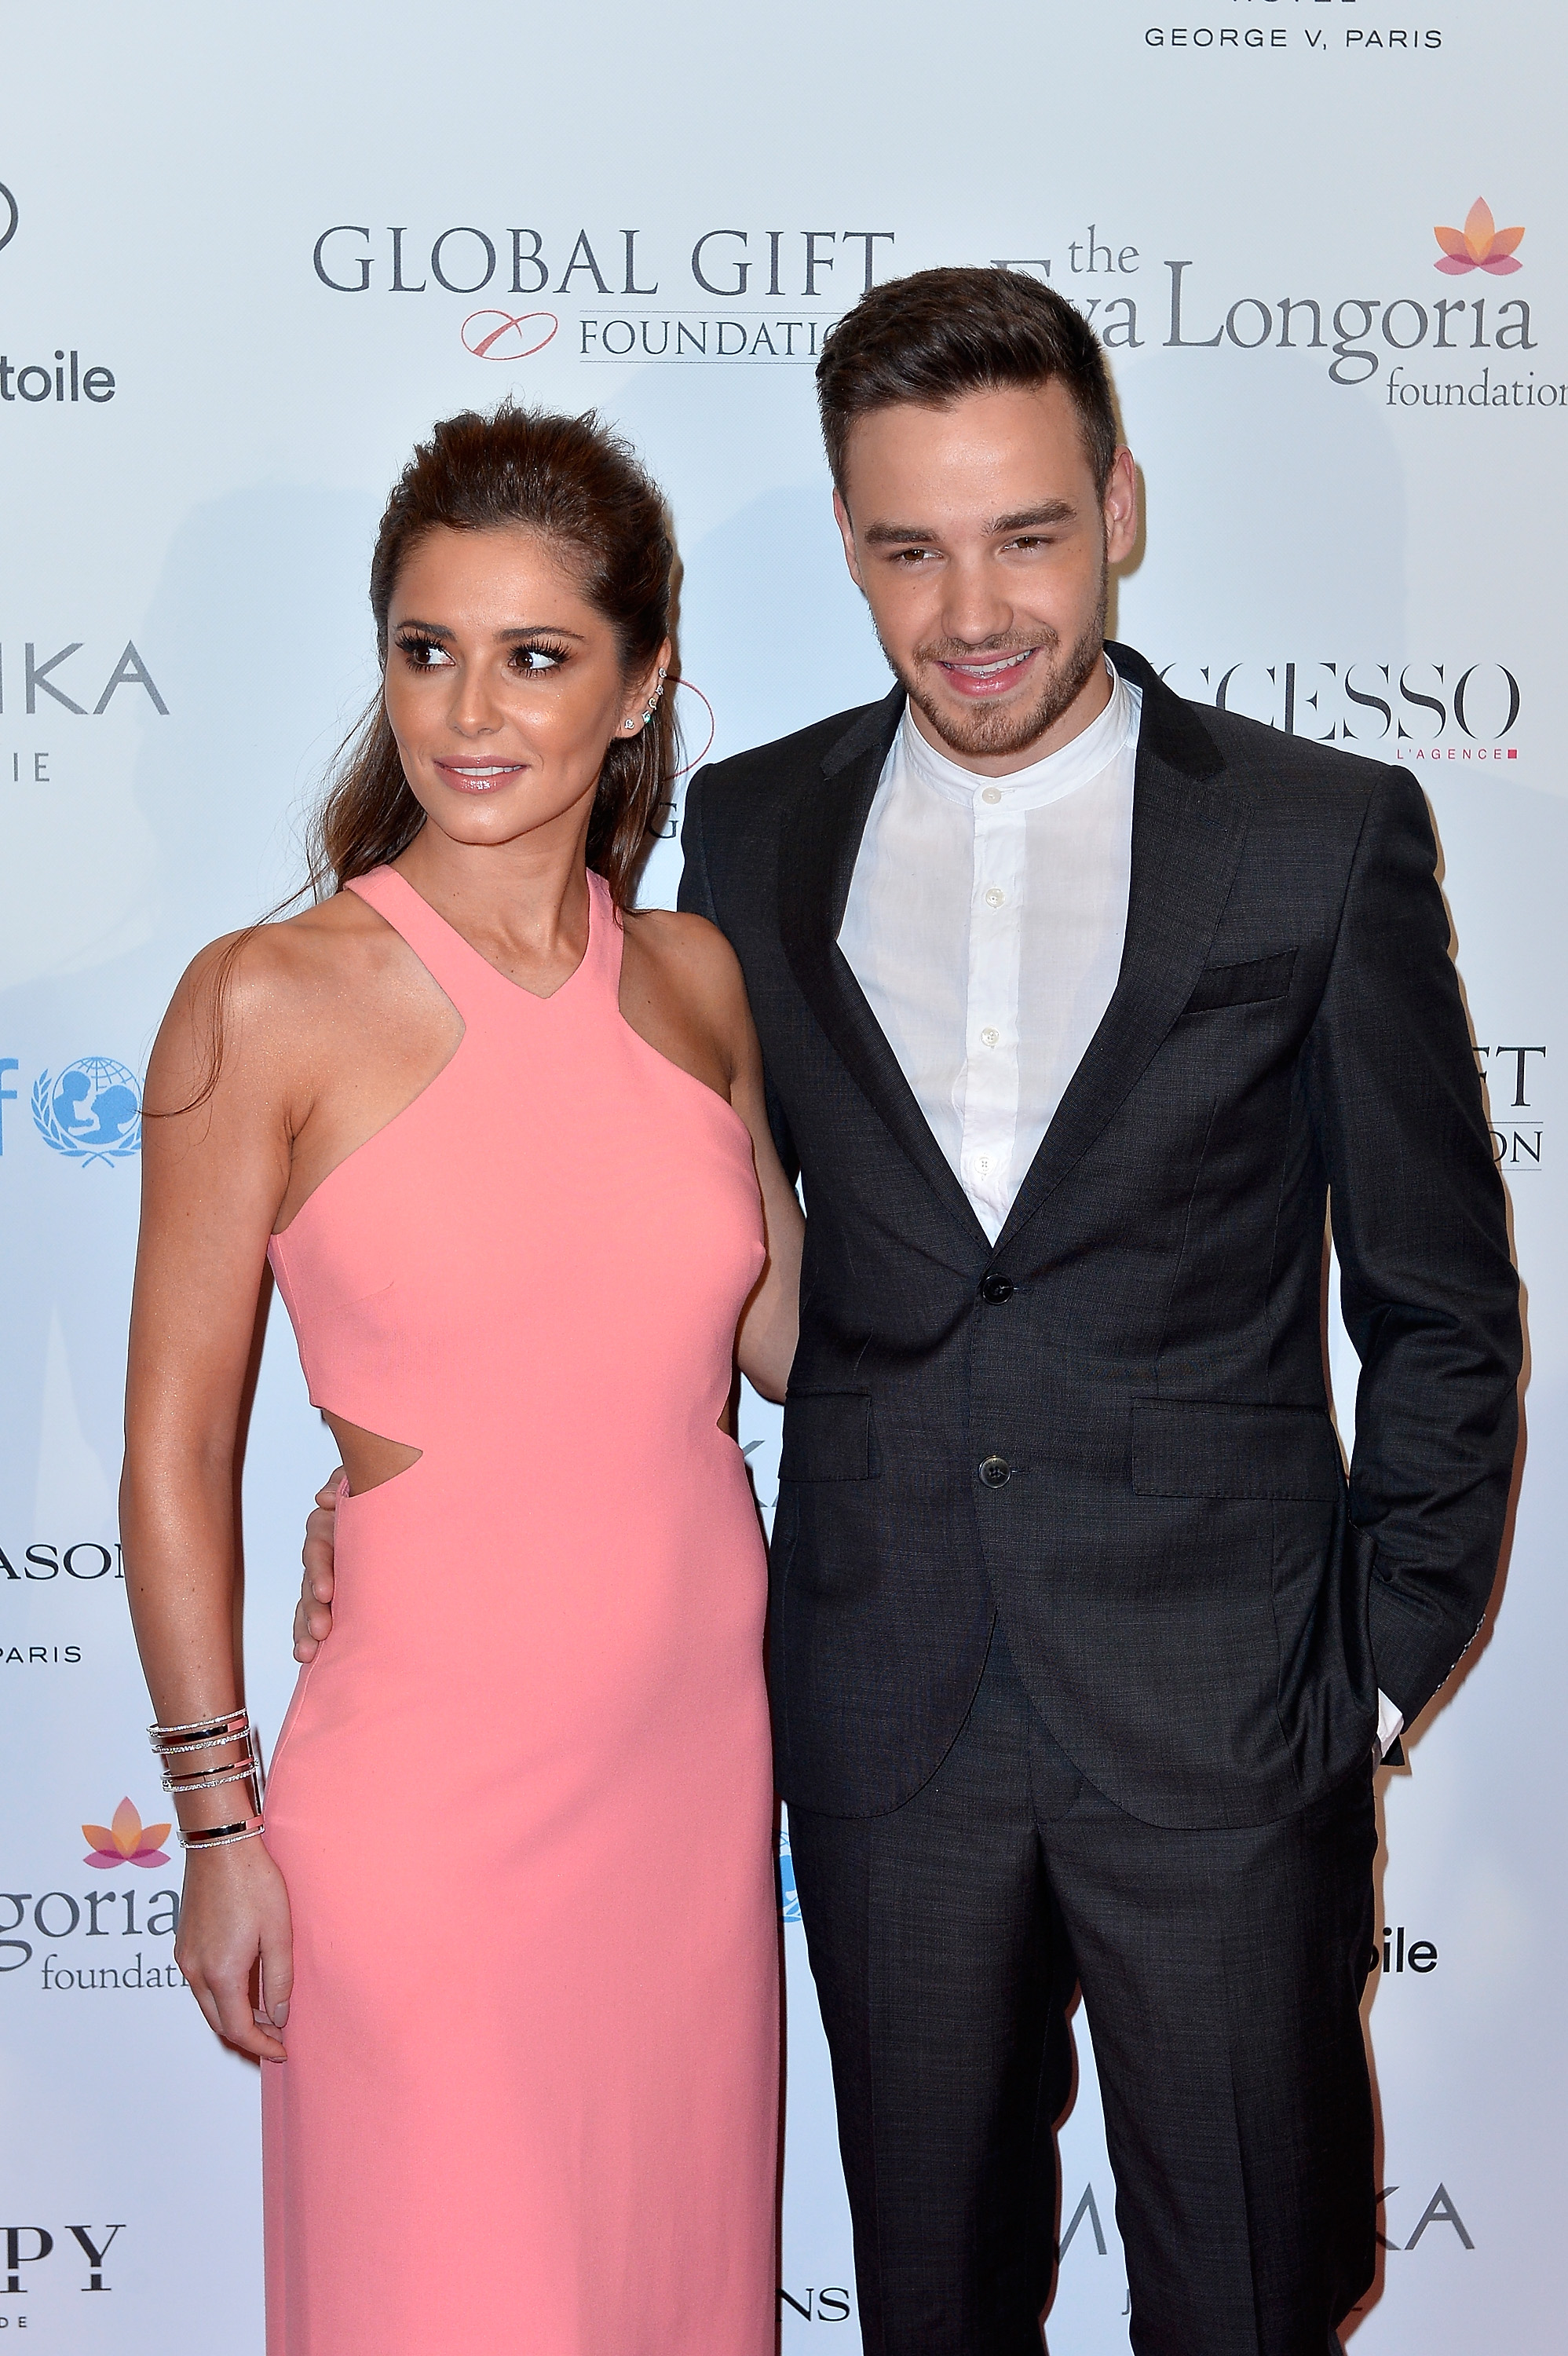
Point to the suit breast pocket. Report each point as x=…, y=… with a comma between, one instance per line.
x=1247, y=983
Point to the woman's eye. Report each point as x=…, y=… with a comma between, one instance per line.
x=424, y=654
x=535, y=658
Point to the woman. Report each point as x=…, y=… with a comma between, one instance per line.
x=503, y=1142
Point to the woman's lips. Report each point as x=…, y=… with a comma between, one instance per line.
x=992, y=675
x=479, y=776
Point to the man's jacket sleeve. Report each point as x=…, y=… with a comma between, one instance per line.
x=1429, y=1295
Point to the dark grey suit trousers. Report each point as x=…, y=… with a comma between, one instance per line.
x=1222, y=1972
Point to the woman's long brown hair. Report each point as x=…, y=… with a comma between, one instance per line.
x=579, y=486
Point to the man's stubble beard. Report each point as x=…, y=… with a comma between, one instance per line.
x=990, y=734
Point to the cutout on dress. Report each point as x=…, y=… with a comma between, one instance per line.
x=369, y=1460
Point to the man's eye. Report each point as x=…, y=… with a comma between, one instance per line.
x=911, y=555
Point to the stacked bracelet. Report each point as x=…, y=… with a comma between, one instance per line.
x=199, y=1733
x=211, y=1778
x=229, y=1731
x=220, y=1835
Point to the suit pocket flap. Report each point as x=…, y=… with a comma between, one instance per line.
x=827, y=1435
x=1242, y=985
x=1195, y=1448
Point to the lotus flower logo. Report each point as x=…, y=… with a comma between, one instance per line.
x=1480, y=245
x=127, y=1841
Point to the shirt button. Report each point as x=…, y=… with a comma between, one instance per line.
x=988, y=1037
x=991, y=794
x=983, y=1164
x=995, y=1471
x=994, y=898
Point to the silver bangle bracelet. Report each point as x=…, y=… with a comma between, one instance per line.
x=224, y=1728
x=202, y=1742
x=209, y=1779
x=220, y=1835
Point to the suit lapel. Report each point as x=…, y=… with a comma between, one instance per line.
x=817, y=865
x=1189, y=827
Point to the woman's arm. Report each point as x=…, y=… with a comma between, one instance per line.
x=212, y=1179
x=770, y=1322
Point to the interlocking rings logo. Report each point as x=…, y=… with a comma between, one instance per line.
x=91, y=1111
x=500, y=335
x=7, y=215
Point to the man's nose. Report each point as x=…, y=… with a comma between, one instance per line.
x=975, y=605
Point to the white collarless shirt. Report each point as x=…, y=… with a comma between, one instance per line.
x=984, y=923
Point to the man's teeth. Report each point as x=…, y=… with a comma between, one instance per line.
x=989, y=670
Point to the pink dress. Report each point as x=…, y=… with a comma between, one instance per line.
x=523, y=1797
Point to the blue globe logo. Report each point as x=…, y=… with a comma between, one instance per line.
x=789, y=1899
x=90, y=1109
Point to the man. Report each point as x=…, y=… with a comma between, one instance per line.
x=1077, y=1005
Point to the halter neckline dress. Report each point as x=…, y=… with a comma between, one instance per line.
x=523, y=1797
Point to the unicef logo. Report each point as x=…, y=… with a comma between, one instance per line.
x=789, y=1898
x=91, y=1111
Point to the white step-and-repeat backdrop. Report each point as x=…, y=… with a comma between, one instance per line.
x=245, y=258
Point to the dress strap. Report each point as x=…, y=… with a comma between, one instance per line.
x=444, y=952
x=606, y=937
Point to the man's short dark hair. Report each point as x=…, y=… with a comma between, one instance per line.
x=938, y=334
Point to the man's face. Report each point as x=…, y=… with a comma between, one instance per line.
x=982, y=547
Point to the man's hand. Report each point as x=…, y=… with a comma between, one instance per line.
x=313, y=1613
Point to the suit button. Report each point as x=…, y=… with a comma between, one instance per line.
x=998, y=1289
x=995, y=1471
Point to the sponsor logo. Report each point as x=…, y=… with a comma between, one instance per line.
x=91, y=1111
x=1439, y=2210
x=503, y=335
x=1480, y=245
x=774, y=271
x=1400, y=1952
x=830, y=2304
x=84, y=1558
x=1088, y=2208
x=29, y=2245
x=129, y=670
x=1508, y=1075
x=126, y=1841
x=53, y=1920
x=1359, y=333
x=35, y=380
x=665, y=824
x=1252, y=36
x=789, y=1898
x=53, y=1917
x=9, y=216
x=40, y=1656
x=1419, y=712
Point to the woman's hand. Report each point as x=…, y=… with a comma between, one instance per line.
x=234, y=1918
x=312, y=1612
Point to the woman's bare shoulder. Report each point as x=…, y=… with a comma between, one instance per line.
x=693, y=952
x=270, y=966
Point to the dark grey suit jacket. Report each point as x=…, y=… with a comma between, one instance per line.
x=1202, y=1610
